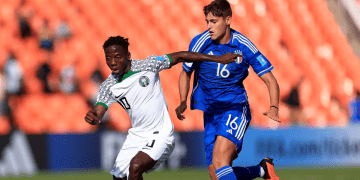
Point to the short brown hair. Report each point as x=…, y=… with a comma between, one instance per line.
x=219, y=8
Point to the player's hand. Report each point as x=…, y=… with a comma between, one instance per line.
x=180, y=110
x=229, y=58
x=91, y=117
x=273, y=114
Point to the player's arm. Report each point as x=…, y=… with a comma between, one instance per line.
x=186, y=56
x=262, y=68
x=184, y=86
x=274, y=91
x=95, y=115
x=104, y=100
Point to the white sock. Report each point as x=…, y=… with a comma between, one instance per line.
x=262, y=172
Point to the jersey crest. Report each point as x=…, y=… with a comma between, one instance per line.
x=144, y=81
x=238, y=59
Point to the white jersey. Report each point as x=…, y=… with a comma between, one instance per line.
x=139, y=92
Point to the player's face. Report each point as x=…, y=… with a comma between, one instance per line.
x=217, y=26
x=117, y=59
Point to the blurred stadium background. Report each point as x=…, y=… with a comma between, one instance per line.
x=52, y=63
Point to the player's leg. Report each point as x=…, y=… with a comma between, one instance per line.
x=139, y=164
x=223, y=154
x=226, y=170
x=209, y=141
x=154, y=152
x=128, y=150
x=212, y=172
x=231, y=127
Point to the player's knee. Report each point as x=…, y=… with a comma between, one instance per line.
x=221, y=160
x=136, y=166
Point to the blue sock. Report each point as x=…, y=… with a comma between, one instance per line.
x=251, y=172
x=225, y=173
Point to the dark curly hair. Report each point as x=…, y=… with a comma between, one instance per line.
x=219, y=8
x=117, y=40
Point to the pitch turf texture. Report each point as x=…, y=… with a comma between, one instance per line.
x=196, y=174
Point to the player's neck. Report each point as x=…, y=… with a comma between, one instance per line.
x=226, y=38
x=128, y=67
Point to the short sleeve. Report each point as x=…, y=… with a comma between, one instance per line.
x=251, y=54
x=188, y=67
x=260, y=64
x=197, y=44
x=104, y=97
x=152, y=63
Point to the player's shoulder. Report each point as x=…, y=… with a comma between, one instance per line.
x=200, y=40
x=136, y=65
x=242, y=41
x=158, y=58
x=135, y=62
x=238, y=37
x=201, y=35
x=109, y=81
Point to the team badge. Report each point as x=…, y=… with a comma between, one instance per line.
x=144, y=81
x=238, y=59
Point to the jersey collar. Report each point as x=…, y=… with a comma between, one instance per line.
x=128, y=74
x=232, y=41
x=121, y=78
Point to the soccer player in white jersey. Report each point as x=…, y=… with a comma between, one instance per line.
x=135, y=85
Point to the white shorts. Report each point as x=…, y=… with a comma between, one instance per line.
x=159, y=148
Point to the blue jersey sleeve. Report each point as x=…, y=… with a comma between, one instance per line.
x=188, y=66
x=260, y=64
x=252, y=55
x=196, y=45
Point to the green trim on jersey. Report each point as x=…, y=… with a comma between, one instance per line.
x=128, y=74
x=171, y=61
x=103, y=104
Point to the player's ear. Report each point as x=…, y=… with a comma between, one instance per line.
x=228, y=20
x=128, y=55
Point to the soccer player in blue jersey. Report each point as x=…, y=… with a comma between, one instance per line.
x=219, y=92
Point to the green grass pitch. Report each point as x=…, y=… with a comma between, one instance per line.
x=201, y=174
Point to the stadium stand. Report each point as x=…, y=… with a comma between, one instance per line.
x=301, y=39
x=4, y=125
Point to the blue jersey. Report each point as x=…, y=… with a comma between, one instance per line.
x=219, y=87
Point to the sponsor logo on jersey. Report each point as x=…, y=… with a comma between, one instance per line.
x=229, y=131
x=144, y=81
x=210, y=53
x=119, y=95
